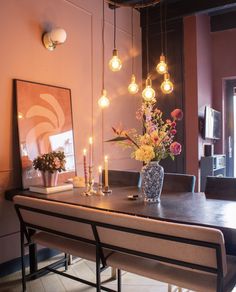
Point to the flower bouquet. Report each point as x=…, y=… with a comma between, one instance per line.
x=156, y=143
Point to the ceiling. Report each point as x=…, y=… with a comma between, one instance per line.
x=179, y=8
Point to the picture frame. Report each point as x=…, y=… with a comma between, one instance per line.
x=44, y=115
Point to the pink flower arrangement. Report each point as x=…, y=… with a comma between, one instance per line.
x=52, y=161
x=157, y=142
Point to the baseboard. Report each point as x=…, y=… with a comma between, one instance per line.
x=15, y=265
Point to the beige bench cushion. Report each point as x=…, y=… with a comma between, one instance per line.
x=77, y=248
x=185, y=278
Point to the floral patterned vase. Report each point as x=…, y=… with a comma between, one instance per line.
x=152, y=181
x=49, y=178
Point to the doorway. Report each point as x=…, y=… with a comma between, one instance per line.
x=230, y=127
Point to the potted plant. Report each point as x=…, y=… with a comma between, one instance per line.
x=50, y=164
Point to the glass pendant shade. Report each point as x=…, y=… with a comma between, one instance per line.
x=148, y=93
x=133, y=86
x=104, y=100
x=115, y=63
x=162, y=66
x=167, y=86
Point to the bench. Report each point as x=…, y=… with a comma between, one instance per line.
x=187, y=256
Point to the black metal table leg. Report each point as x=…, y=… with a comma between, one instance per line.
x=33, y=261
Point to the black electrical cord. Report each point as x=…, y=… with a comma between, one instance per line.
x=103, y=42
x=147, y=40
x=132, y=38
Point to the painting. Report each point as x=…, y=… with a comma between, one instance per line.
x=44, y=125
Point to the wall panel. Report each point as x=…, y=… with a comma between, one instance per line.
x=77, y=65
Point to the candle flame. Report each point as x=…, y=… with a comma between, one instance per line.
x=85, y=151
x=90, y=140
x=106, y=158
x=100, y=169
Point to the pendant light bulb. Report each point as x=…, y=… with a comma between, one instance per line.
x=104, y=101
x=133, y=86
x=115, y=62
x=162, y=66
x=167, y=86
x=148, y=93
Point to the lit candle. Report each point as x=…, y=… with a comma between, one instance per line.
x=100, y=175
x=106, y=170
x=90, y=151
x=85, y=167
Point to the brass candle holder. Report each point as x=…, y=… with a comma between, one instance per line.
x=99, y=190
x=107, y=190
x=89, y=188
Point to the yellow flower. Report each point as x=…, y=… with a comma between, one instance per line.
x=144, y=153
x=162, y=134
x=145, y=139
x=155, y=137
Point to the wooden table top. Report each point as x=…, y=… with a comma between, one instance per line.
x=190, y=208
x=187, y=208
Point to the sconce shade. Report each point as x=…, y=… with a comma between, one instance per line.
x=53, y=38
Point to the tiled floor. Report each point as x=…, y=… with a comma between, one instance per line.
x=83, y=269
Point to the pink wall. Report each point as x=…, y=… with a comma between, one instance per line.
x=198, y=85
x=204, y=62
x=76, y=65
x=224, y=67
x=204, y=69
x=191, y=94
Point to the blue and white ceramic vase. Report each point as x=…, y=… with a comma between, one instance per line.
x=152, y=181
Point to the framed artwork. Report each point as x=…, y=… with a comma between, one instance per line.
x=44, y=125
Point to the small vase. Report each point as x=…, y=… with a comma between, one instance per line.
x=152, y=181
x=49, y=178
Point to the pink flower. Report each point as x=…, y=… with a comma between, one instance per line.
x=177, y=114
x=148, y=118
x=166, y=139
x=155, y=140
x=173, y=124
x=175, y=148
x=152, y=128
x=57, y=162
x=173, y=131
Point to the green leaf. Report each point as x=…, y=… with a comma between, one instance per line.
x=172, y=156
x=117, y=139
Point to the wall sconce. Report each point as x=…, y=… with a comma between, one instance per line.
x=53, y=38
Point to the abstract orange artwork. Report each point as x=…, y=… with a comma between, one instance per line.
x=44, y=125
